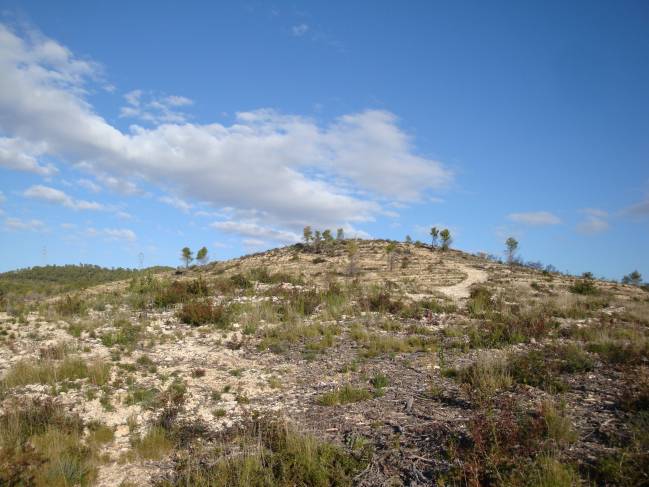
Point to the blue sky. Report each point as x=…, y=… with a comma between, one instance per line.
x=142, y=127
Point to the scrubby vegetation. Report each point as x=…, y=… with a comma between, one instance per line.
x=398, y=364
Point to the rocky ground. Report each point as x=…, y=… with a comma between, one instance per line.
x=423, y=367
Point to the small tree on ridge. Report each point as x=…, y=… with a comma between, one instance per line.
x=187, y=256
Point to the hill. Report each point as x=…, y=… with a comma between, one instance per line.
x=357, y=363
x=53, y=279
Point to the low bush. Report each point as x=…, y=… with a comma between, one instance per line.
x=197, y=313
x=584, y=286
x=381, y=300
x=179, y=292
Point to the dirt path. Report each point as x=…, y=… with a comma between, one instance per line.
x=461, y=289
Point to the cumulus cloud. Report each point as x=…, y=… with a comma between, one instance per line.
x=20, y=155
x=18, y=224
x=176, y=202
x=595, y=221
x=296, y=170
x=89, y=185
x=119, y=185
x=535, y=218
x=58, y=197
x=148, y=108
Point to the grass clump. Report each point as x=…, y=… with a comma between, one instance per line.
x=344, y=395
x=50, y=372
x=379, y=381
x=125, y=335
x=317, y=337
x=154, y=445
x=147, y=397
x=70, y=306
x=375, y=344
x=486, y=376
x=41, y=445
x=549, y=471
x=621, y=351
x=269, y=453
x=629, y=465
x=480, y=301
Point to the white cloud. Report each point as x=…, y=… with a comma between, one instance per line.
x=535, y=218
x=20, y=155
x=592, y=225
x=176, y=202
x=298, y=171
x=148, y=108
x=299, y=30
x=255, y=243
x=18, y=224
x=112, y=233
x=2, y=197
x=253, y=230
x=639, y=209
x=120, y=234
x=89, y=185
x=119, y=185
x=595, y=221
x=177, y=101
x=58, y=197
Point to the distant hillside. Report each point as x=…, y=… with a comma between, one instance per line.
x=53, y=279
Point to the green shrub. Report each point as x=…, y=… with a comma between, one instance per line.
x=179, y=292
x=197, y=313
x=380, y=300
x=584, y=286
